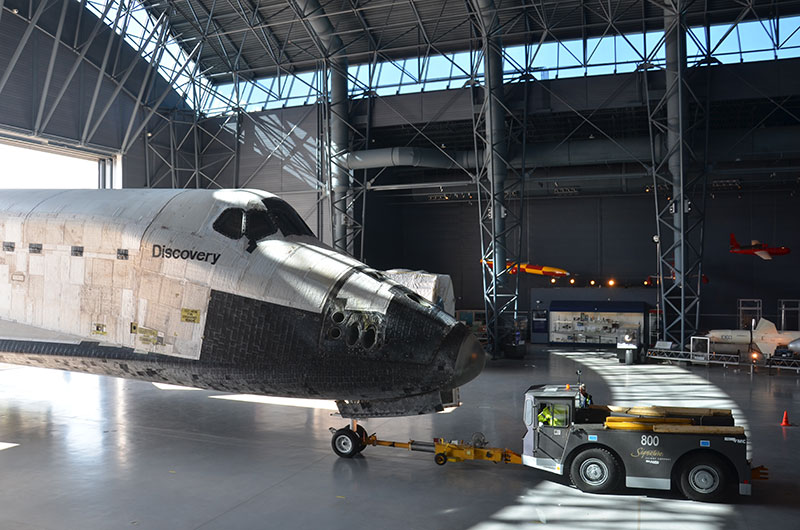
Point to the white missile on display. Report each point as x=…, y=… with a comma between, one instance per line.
x=219, y=289
x=765, y=337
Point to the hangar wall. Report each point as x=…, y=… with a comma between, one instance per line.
x=595, y=237
x=279, y=152
x=20, y=104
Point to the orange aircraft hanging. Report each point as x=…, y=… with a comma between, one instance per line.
x=541, y=270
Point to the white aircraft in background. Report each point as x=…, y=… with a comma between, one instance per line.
x=764, y=336
x=226, y=290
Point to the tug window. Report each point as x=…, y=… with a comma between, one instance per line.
x=258, y=225
x=553, y=414
x=286, y=218
x=528, y=412
x=230, y=223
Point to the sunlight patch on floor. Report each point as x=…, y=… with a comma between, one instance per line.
x=562, y=507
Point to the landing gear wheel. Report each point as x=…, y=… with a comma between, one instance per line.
x=595, y=470
x=361, y=432
x=346, y=443
x=704, y=478
x=440, y=459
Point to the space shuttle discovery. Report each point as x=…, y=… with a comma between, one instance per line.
x=218, y=289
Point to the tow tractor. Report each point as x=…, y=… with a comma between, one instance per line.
x=699, y=450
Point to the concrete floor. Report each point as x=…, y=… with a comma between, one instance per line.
x=106, y=453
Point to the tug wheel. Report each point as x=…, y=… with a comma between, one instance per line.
x=705, y=478
x=595, y=470
x=440, y=459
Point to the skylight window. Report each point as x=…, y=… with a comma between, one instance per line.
x=756, y=40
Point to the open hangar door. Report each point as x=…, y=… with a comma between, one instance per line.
x=34, y=163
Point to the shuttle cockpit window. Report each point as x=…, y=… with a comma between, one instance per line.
x=230, y=223
x=287, y=219
x=258, y=225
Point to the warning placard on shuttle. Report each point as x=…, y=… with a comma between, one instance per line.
x=150, y=336
x=191, y=316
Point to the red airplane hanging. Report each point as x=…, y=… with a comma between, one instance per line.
x=541, y=270
x=762, y=250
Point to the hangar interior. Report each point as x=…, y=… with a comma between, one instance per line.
x=623, y=140
x=397, y=129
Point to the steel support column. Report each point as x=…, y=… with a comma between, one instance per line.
x=105, y=173
x=675, y=53
x=323, y=34
x=500, y=291
x=339, y=142
x=496, y=143
x=679, y=219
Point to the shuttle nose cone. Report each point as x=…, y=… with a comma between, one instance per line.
x=470, y=360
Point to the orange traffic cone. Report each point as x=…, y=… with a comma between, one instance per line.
x=785, y=422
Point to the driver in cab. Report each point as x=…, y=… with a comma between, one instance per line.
x=552, y=415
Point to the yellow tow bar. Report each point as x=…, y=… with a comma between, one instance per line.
x=459, y=451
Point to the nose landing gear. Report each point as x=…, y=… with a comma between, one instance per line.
x=349, y=440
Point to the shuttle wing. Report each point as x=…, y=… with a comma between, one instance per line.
x=14, y=331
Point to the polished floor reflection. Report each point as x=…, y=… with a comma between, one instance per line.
x=79, y=451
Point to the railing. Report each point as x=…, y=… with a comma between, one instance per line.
x=782, y=362
x=694, y=357
x=720, y=358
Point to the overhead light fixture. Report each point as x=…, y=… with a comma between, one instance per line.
x=552, y=280
x=566, y=190
x=611, y=282
x=591, y=282
x=726, y=184
x=572, y=281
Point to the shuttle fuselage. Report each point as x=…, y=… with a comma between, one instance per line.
x=224, y=289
